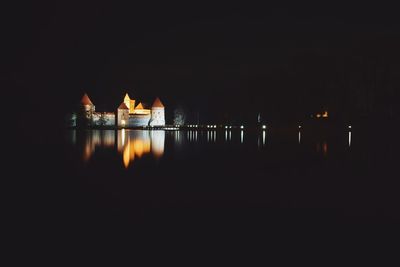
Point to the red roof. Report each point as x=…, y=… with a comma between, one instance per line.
x=157, y=103
x=86, y=100
x=123, y=106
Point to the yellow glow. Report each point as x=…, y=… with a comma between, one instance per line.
x=130, y=103
x=135, y=148
x=131, y=106
x=127, y=100
x=135, y=144
x=142, y=111
x=318, y=115
x=126, y=156
x=325, y=114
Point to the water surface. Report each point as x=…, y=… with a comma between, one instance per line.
x=340, y=176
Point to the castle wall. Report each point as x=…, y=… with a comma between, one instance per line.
x=103, y=119
x=110, y=119
x=137, y=120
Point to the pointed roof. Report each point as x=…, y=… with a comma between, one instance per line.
x=139, y=106
x=127, y=97
x=157, y=103
x=86, y=100
x=123, y=106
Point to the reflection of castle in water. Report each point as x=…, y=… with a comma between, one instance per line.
x=130, y=143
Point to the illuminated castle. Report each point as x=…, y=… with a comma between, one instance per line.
x=127, y=114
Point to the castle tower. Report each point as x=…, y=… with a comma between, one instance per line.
x=122, y=115
x=157, y=113
x=87, y=103
x=86, y=111
x=130, y=103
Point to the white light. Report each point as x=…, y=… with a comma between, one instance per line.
x=226, y=127
x=263, y=138
x=299, y=126
x=264, y=126
x=349, y=139
x=123, y=137
x=349, y=126
x=241, y=127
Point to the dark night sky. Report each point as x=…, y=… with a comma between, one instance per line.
x=285, y=61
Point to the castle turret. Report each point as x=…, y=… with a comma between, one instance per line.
x=87, y=103
x=86, y=111
x=122, y=115
x=130, y=103
x=157, y=113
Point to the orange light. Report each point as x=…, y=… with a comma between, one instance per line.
x=88, y=151
x=325, y=114
x=126, y=156
x=137, y=145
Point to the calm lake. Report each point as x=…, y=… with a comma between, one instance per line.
x=343, y=176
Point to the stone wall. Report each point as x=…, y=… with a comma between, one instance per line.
x=137, y=120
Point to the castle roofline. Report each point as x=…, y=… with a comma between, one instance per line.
x=139, y=106
x=157, y=103
x=123, y=106
x=86, y=100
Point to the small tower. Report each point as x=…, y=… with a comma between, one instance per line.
x=157, y=113
x=87, y=104
x=86, y=111
x=122, y=115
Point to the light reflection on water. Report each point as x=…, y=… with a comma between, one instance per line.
x=134, y=144
x=131, y=144
x=263, y=137
x=349, y=138
x=322, y=147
